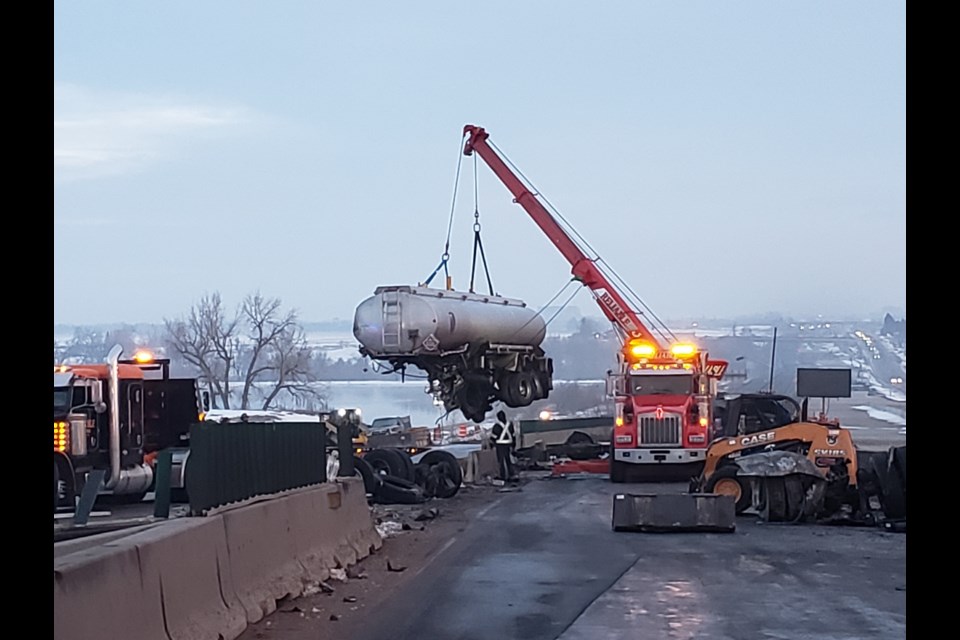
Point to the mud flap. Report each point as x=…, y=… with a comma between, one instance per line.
x=703, y=512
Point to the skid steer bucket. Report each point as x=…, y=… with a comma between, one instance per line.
x=704, y=512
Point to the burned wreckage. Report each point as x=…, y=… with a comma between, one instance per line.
x=475, y=349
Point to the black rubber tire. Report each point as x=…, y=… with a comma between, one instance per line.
x=386, y=462
x=507, y=391
x=394, y=490
x=618, y=471
x=794, y=493
x=579, y=437
x=893, y=495
x=731, y=472
x=774, y=499
x=898, y=460
x=408, y=471
x=526, y=389
x=539, y=392
x=371, y=481
x=420, y=472
x=447, y=467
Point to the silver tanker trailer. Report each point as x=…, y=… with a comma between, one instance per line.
x=476, y=349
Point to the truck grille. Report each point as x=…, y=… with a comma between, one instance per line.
x=656, y=431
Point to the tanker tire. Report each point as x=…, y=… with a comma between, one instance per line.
x=444, y=470
x=894, y=497
x=538, y=389
x=386, y=462
x=898, y=461
x=579, y=437
x=420, y=472
x=795, y=498
x=394, y=490
x=506, y=389
x=774, y=500
x=526, y=388
x=409, y=473
x=371, y=481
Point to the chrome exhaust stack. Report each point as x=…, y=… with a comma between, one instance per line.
x=113, y=363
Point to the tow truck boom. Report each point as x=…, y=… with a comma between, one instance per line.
x=614, y=307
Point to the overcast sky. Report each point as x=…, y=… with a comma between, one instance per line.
x=725, y=158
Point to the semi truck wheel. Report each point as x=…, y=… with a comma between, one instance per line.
x=618, y=471
x=371, y=480
x=386, y=462
x=407, y=464
x=444, y=475
x=898, y=461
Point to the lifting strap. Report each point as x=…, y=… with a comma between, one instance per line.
x=445, y=258
x=477, y=242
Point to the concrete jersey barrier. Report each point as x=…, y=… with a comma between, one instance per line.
x=208, y=577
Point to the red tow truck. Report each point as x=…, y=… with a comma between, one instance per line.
x=664, y=390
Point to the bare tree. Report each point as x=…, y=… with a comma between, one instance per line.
x=206, y=340
x=290, y=361
x=271, y=354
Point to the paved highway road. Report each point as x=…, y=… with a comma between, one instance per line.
x=544, y=563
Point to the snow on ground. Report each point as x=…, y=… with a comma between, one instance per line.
x=880, y=414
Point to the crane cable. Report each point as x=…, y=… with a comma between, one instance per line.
x=659, y=326
x=547, y=304
x=445, y=258
x=477, y=243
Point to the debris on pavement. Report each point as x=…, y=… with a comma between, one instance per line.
x=356, y=573
x=339, y=575
x=390, y=567
x=427, y=514
x=389, y=528
x=350, y=598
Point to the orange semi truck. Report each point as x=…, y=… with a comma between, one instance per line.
x=116, y=417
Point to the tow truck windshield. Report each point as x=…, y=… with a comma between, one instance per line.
x=652, y=385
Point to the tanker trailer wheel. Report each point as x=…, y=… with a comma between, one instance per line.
x=519, y=389
x=726, y=482
x=409, y=473
x=444, y=475
x=898, y=463
x=473, y=401
x=371, y=481
x=386, y=462
x=893, y=497
x=394, y=490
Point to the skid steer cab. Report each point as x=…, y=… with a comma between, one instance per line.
x=768, y=455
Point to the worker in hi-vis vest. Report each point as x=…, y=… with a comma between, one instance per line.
x=504, y=438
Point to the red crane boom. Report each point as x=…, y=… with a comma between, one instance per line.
x=584, y=269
